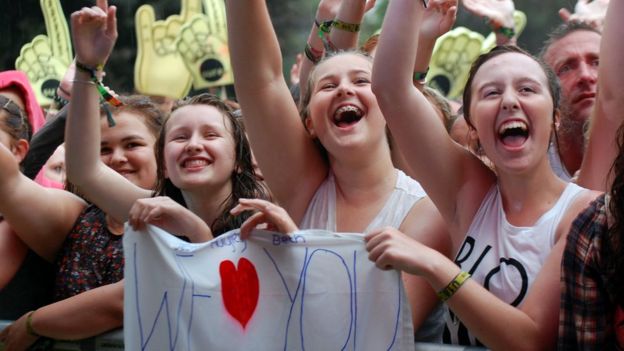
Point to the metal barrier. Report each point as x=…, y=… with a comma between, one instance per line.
x=113, y=341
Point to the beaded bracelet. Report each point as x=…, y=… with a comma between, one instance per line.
x=453, y=286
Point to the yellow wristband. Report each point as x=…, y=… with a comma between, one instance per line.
x=347, y=27
x=29, y=328
x=453, y=286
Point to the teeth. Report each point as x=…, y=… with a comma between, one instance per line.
x=512, y=125
x=195, y=163
x=348, y=108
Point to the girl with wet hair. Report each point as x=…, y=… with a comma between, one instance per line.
x=338, y=159
x=508, y=228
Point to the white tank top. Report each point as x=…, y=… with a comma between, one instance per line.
x=321, y=212
x=503, y=258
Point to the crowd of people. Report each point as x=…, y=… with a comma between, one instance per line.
x=509, y=236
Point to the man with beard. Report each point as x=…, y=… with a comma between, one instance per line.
x=572, y=51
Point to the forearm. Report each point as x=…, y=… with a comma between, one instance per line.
x=350, y=12
x=397, y=45
x=251, y=35
x=85, y=315
x=610, y=93
x=486, y=316
x=312, y=57
x=606, y=119
x=82, y=131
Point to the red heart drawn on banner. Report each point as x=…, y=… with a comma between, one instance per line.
x=240, y=289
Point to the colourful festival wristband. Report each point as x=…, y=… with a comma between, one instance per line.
x=106, y=95
x=508, y=32
x=347, y=27
x=453, y=286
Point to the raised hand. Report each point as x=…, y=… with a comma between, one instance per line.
x=47, y=56
x=591, y=12
x=169, y=215
x=159, y=68
x=295, y=70
x=202, y=43
x=438, y=19
x=498, y=12
x=274, y=217
x=94, y=33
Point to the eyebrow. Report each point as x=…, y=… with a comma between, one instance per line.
x=128, y=138
x=351, y=72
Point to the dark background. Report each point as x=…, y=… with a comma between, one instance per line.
x=21, y=21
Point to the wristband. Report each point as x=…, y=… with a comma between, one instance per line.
x=453, y=286
x=323, y=33
x=312, y=54
x=102, y=90
x=29, y=328
x=509, y=32
x=347, y=27
x=419, y=77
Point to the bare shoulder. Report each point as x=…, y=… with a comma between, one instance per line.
x=580, y=203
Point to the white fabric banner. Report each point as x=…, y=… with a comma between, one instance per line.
x=315, y=290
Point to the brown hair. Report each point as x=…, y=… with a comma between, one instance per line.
x=304, y=101
x=14, y=120
x=245, y=182
x=553, y=82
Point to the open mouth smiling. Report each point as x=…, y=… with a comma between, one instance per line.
x=513, y=133
x=347, y=115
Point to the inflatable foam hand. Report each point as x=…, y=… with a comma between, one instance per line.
x=520, y=21
x=46, y=58
x=205, y=52
x=159, y=68
x=450, y=62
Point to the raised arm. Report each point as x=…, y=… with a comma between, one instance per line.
x=94, y=31
x=499, y=14
x=279, y=140
x=436, y=22
x=601, y=149
x=40, y=216
x=439, y=164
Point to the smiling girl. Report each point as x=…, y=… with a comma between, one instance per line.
x=508, y=227
x=333, y=171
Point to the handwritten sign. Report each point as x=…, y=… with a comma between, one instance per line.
x=315, y=290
